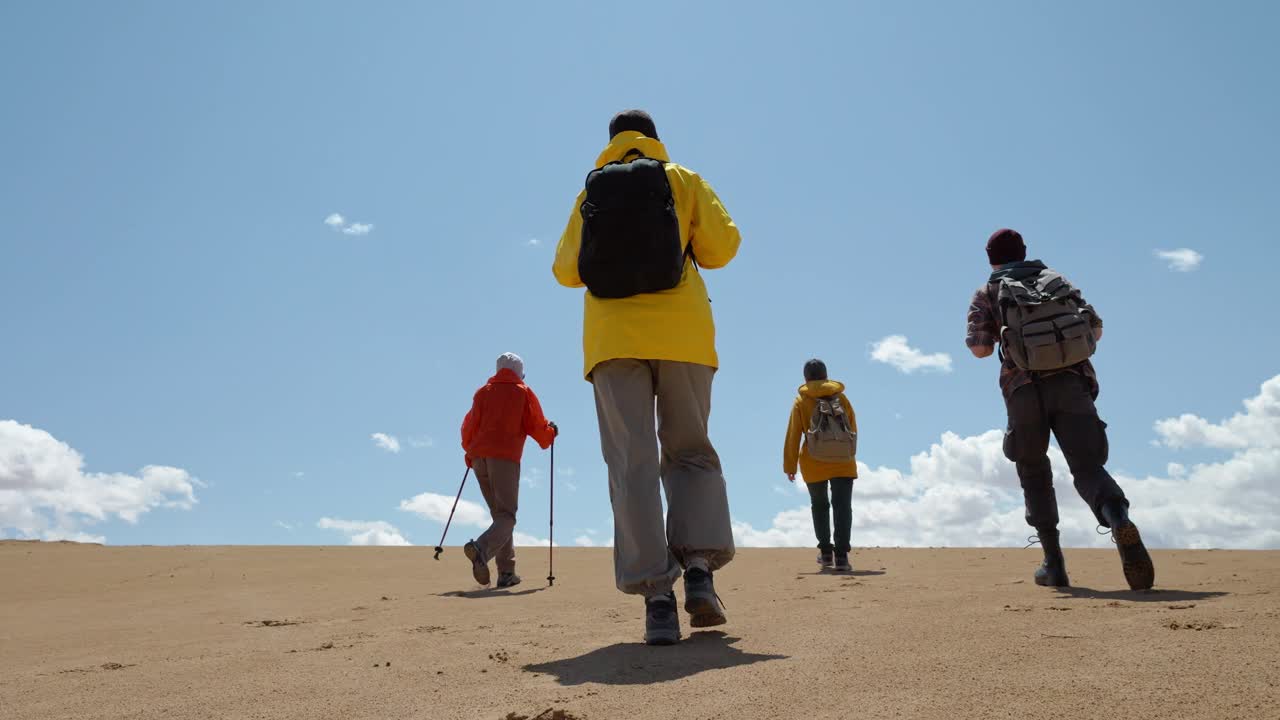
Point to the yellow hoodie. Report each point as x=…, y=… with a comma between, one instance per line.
x=674, y=324
x=815, y=470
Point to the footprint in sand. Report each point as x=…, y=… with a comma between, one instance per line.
x=548, y=714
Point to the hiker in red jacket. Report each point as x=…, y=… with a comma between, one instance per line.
x=503, y=413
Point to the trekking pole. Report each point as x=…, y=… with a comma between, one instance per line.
x=440, y=547
x=551, y=527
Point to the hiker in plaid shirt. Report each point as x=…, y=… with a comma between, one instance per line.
x=1059, y=401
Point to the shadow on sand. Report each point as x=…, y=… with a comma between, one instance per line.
x=855, y=573
x=1157, y=595
x=639, y=664
x=491, y=593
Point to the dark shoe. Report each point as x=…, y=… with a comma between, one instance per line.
x=1139, y=571
x=507, y=579
x=1053, y=571
x=826, y=558
x=661, y=621
x=700, y=599
x=479, y=566
x=842, y=563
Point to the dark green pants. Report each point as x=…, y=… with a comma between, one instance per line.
x=842, y=501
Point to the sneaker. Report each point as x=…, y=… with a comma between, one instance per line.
x=842, y=563
x=826, y=558
x=700, y=599
x=507, y=579
x=479, y=565
x=661, y=621
x=1139, y=571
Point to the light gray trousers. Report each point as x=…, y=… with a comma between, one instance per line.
x=648, y=560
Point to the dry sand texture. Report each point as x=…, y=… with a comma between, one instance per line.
x=310, y=632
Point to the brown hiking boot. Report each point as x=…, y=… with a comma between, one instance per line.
x=479, y=566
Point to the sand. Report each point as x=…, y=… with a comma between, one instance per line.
x=338, y=632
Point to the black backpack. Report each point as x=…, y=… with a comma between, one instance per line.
x=630, y=234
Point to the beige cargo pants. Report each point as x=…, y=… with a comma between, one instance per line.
x=677, y=452
x=500, y=484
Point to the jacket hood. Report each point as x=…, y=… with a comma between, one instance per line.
x=628, y=140
x=821, y=388
x=506, y=376
x=1019, y=270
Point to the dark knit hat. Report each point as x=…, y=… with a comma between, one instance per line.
x=815, y=369
x=637, y=120
x=1006, y=246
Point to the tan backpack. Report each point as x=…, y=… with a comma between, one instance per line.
x=829, y=437
x=1042, y=325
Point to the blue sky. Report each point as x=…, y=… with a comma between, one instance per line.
x=174, y=297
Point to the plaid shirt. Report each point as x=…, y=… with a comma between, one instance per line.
x=984, y=329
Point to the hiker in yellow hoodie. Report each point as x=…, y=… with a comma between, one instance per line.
x=639, y=238
x=823, y=417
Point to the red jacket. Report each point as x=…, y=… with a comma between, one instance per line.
x=503, y=413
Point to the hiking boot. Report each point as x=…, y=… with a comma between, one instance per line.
x=507, y=579
x=826, y=558
x=661, y=621
x=700, y=599
x=1139, y=571
x=1053, y=570
x=842, y=563
x=479, y=565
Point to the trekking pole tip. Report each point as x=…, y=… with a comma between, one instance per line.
x=438, y=551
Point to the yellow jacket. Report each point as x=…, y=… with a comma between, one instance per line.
x=815, y=470
x=674, y=324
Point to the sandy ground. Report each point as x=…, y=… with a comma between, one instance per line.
x=340, y=632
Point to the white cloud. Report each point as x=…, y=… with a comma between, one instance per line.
x=584, y=541
x=422, y=442
x=433, y=506
x=963, y=492
x=386, y=442
x=894, y=350
x=45, y=492
x=362, y=532
x=1258, y=426
x=521, y=539
x=436, y=507
x=533, y=242
x=340, y=224
x=284, y=525
x=1182, y=259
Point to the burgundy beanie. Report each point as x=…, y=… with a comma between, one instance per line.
x=1006, y=246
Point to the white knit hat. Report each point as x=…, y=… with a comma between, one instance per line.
x=512, y=362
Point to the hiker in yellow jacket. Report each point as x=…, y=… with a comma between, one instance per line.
x=639, y=237
x=827, y=457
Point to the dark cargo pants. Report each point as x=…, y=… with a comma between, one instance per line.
x=1061, y=403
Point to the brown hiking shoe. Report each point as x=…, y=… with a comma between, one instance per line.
x=479, y=566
